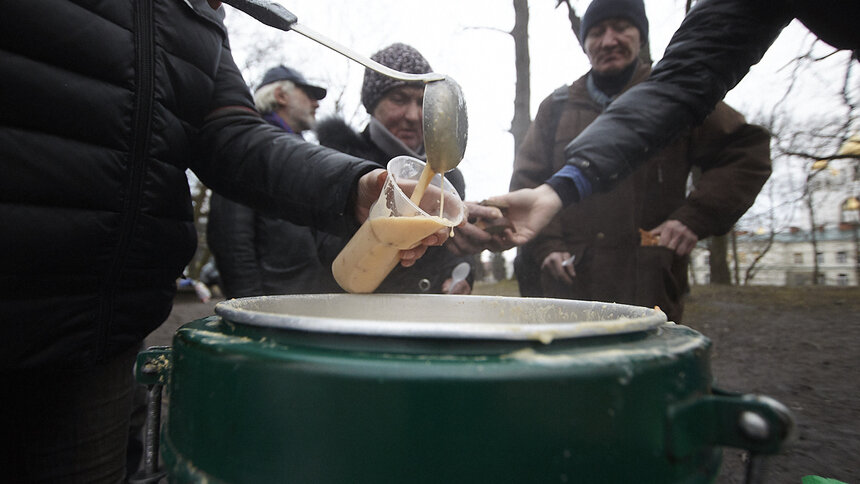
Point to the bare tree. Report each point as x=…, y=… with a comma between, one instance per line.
x=766, y=225
x=814, y=147
x=522, y=93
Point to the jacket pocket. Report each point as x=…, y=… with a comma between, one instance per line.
x=657, y=280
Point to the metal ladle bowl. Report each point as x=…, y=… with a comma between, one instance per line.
x=446, y=124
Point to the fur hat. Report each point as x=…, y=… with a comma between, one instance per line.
x=400, y=57
x=600, y=10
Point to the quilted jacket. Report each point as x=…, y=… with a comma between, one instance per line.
x=105, y=104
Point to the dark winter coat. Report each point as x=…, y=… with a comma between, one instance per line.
x=710, y=53
x=260, y=255
x=430, y=271
x=603, y=230
x=104, y=106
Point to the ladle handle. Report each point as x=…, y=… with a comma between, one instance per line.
x=275, y=15
x=268, y=12
x=365, y=61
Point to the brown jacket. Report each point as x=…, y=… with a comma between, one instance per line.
x=603, y=230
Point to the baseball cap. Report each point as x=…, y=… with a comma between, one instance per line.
x=284, y=73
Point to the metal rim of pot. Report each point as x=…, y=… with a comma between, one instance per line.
x=441, y=316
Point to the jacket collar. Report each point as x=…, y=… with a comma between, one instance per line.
x=204, y=10
x=578, y=91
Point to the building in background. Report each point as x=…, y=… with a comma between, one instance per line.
x=790, y=260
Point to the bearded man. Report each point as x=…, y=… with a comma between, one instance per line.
x=632, y=244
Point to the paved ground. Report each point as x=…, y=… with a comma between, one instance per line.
x=799, y=346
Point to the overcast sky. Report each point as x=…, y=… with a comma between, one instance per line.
x=467, y=40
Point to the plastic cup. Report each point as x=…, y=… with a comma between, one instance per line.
x=395, y=223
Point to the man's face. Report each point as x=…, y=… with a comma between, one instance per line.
x=401, y=112
x=298, y=108
x=612, y=45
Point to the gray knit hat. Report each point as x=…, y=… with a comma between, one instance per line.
x=400, y=57
x=600, y=10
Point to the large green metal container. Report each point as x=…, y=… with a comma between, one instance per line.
x=445, y=389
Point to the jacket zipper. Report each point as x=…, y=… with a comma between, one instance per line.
x=141, y=129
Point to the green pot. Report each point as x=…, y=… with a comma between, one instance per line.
x=444, y=389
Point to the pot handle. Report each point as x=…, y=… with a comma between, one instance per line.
x=153, y=365
x=152, y=369
x=757, y=423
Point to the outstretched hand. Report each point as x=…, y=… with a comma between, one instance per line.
x=470, y=237
x=369, y=187
x=529, y=210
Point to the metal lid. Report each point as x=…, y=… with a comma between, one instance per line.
x=441, y=316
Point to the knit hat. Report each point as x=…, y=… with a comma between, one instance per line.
x=600, y=10
x=400, y=57
x=284, y=73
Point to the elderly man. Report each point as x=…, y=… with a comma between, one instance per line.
x=257, y=254
x=710, y=53
x=631, y=245
x=396, y=128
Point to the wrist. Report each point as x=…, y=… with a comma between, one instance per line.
x=548, y=194
x=570, y=185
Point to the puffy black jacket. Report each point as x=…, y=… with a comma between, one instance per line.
x=258, y=255
x=710, y=53
x=104, y=106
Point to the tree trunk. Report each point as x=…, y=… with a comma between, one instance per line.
x=522, y=106
x=857, y=252
x=735, y=261
x=719, y=247
x=813, y=239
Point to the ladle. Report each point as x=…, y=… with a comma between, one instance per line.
x=276, y=15
x=445, y=120
x=446, y=124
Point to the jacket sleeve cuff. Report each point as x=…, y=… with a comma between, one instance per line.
x=570, y=185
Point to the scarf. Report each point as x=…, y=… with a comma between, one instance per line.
x=604, y=89
x=389, y=144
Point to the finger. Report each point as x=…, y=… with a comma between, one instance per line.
x=473, y=233
x=380, y=181
x=561, y=274
x=477, y=211
x=520, y=237
x=446, y=285
x=409, y=256
x=462, y=288
x=436, y=238
x=672, y=244
x=463, y=246
x=565, y=278
x=687, y=247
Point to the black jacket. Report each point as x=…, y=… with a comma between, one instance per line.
x=104, y=106
x=430, y=271
x=711, y=52
x=258, y=255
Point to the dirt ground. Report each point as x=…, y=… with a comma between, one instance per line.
x=796, y=345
